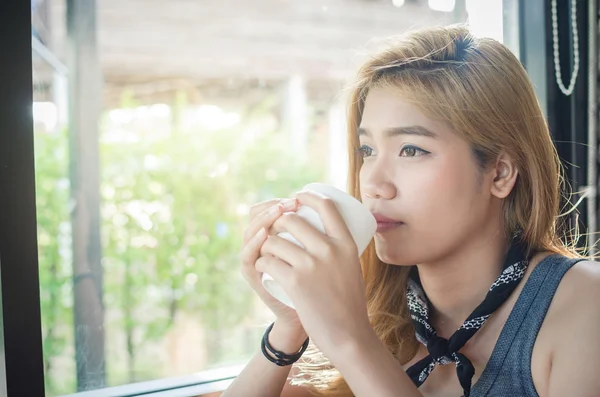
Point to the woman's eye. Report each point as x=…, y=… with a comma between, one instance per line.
x=412, y=151
x=364, y=151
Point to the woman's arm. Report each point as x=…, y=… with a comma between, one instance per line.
x=324, y=281
x=262, y=378
x=370, y=369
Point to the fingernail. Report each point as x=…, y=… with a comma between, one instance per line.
x=275, y=209
x=260, y=235
x=288, y=204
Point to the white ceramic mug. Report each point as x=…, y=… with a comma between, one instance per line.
x=358, y=218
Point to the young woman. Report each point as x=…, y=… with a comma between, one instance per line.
x=468, y=288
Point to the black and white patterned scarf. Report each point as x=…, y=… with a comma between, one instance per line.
x=445, y=351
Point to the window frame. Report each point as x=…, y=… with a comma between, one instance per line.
x=198, y=384
x=21, y=326
x=21, y=334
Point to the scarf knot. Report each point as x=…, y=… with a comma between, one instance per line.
x=445, y=351
x=438, y=350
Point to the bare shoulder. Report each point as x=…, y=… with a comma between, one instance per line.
x=576, y=299
x=579, y=285
x=578, y=293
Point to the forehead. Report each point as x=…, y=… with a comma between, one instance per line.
x=386, y=108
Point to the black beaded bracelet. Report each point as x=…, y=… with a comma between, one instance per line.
x=281, y=359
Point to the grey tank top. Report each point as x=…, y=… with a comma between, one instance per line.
x=508, y=372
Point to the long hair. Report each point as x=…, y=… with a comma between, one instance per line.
x=480, y=89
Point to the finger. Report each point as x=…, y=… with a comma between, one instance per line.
x=284, y=250
x=261, y=207
x=334, y=224
x=265, y=205
x=280, y=270
x=268, y=216
x=310, y=237
x=282, y=222
x=263, y=220
x=251, y=251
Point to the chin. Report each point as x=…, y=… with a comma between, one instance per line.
x=393, y=255
x=400, y=254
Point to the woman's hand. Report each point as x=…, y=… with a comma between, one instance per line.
x=262, y=217
x=323, y=280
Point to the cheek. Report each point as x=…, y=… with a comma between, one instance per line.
x=441, y=192
x=440, y=200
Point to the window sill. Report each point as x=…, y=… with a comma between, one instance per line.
x=205, y=383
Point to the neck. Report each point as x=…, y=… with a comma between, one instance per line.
x=457, y=284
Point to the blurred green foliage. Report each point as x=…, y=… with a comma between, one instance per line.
x=174, y=206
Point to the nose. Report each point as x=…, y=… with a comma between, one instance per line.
x=376, y=184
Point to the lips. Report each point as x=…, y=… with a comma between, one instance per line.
x=384, y=219
x=385, y=223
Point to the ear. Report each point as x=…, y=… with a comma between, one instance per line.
x=504, y=176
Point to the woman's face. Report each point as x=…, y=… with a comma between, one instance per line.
x=420, y=173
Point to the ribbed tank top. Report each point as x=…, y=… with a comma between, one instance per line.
x=508, y=371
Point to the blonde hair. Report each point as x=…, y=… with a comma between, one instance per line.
x=479, y=88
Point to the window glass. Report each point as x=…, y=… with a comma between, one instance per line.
x=157, y=125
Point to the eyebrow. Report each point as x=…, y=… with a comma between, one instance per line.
x=395, y=131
